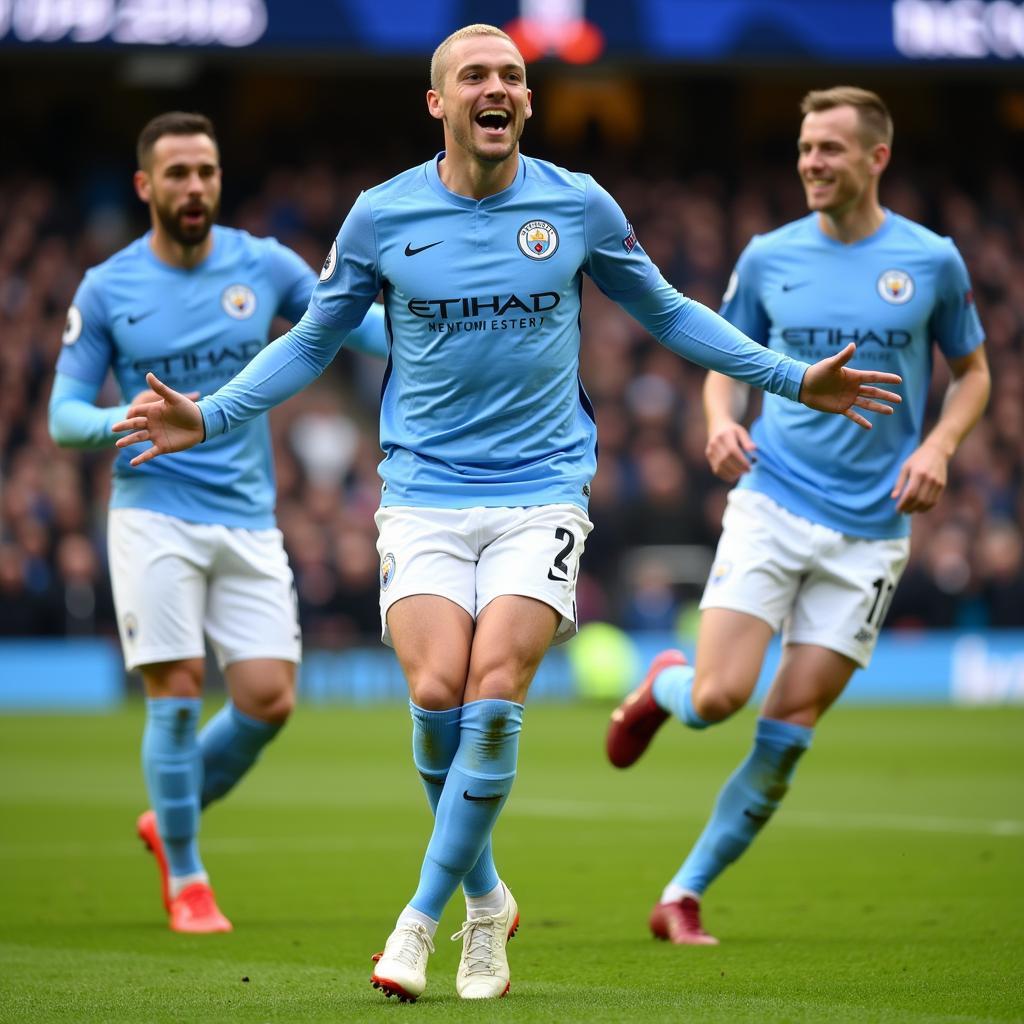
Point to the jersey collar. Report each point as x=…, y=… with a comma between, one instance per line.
x=467, y=202
x=876, y=236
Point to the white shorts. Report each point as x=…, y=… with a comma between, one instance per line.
x=818, y=585
x=176, y=581
x=473, y=555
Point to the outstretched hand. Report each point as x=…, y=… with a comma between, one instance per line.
x=172, y=423
x=831, y=386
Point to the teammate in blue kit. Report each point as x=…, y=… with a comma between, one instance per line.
x=192, y=542
x=489, y=446
x=816, y=534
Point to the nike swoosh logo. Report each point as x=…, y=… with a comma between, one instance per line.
x=466, y=795
x=789, y=287
x=410, y=251
x=761, y=819
x=141, y=316
x=557, y=579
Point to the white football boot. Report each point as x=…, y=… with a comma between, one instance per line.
x=402, y=968
x=483, y=968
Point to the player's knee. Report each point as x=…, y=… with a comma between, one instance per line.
x=181, y=679
x=434, y=692
x=502, y=682
x=713, y=701
x=279, y=706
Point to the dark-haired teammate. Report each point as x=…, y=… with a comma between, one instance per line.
x=193, y=545
x=489, y=447
x=816, y=534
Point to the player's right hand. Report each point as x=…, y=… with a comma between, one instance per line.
x=172, y=423
x=730, y=451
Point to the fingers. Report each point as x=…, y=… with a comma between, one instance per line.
x=873, y=377
x=160, y=387
x=135, y=438
x=842, y=357
x=866, y=403
x=852, y=414
x=901, y=482
x=869, y=392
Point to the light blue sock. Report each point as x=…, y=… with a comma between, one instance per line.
x=474, y=793
x=231, y=742
x=435, y=740
x=746, y=802
x=173, y=769
x=673, y=692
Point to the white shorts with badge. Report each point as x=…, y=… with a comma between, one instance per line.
x=473, y=555
x=175, y=582
x=818, y=585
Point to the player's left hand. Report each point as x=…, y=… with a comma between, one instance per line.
x=831, y=386
x=921, y=480
x=172, y=424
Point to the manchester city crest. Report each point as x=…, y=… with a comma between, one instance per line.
x=895, y=286
x=538, y=239
x=238, y=301
x=387, y=570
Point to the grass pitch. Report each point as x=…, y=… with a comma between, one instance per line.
x=890, y=887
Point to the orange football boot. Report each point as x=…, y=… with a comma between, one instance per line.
x=195, y=911
x=149, y=833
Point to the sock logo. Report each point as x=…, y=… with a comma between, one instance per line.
x=759, y=819
x=466, y=795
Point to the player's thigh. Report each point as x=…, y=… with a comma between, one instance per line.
x=844, y=598
x=432, y=637
x=533, y=553
x=425, y=551
x=731, y=647
x=809, y=680
x=760, y=559
x=251, y=612
x=262, y=688
x=158, y=567
x=512, y=635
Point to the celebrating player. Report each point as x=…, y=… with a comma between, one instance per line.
x=193, y=546
x=815, y=535
x=489, y=445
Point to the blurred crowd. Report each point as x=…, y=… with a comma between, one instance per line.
x=656, y=506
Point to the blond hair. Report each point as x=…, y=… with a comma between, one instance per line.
x=439, y=61
x=872, y=113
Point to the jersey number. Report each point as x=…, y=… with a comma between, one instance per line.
x=561, y=533
x=880, y=606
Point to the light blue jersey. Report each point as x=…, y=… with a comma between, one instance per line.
x=804, y=294
x=482, y=403
x=195, y=329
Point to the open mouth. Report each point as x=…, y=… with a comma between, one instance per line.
x=493, y=120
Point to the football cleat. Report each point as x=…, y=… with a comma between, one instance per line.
x=402, y=968
x=635, y=721
x=146, y=827
x=195, y=911
x=679, y=923
x=483, y=968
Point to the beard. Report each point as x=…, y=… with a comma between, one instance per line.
x=172, y=221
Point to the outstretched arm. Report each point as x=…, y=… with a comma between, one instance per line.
x=922, y=478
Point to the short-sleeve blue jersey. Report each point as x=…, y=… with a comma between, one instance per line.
x=482, y=403
x=195, y=329
x=894, y=293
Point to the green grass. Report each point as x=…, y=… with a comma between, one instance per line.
x=890, y=888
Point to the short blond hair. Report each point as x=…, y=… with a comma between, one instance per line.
x=872, y=113
x=439, y=61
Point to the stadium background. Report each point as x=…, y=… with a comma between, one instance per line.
x=692, y=131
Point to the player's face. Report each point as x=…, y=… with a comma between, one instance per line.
x=836, y=167
x=483, y=102
x=182, y=186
